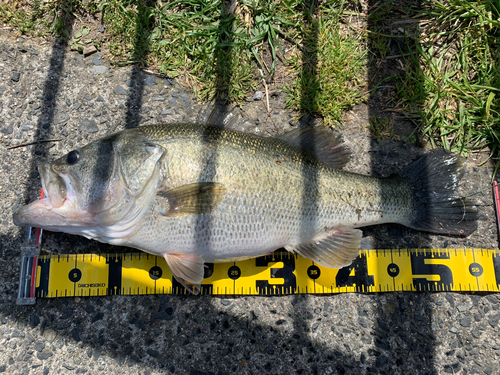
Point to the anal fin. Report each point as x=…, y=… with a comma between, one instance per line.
x=188, y=270
x=336, y=250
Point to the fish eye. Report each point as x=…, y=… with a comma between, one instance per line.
x=73, y=157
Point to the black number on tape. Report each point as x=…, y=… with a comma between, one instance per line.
x=313, y=272
x=420, y=266
x=496, y=267
x=393, y=270
x=43, y=288
x=155, y=273
x=234, y=272
x=476, y=269
x=75, y=275
x=286, y=273
x=360, y=278
x=114, y=263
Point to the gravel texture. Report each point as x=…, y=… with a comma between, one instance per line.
x=50, y=93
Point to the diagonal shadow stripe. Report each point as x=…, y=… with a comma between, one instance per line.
x=44, y=127
x=104, y=164
x=141, y=49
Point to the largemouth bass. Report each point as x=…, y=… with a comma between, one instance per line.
x=196, y=194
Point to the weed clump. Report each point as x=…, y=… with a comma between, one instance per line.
x=453, y=75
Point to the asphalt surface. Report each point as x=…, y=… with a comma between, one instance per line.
x=50, y=93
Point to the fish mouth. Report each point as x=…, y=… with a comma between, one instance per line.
x=55, y=207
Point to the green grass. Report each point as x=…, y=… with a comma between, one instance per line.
x=329, y=66
x=27, y=21
x=220, y=52
x=382, y=129
x=40, y=17
x=452, y=68
x=453, y=75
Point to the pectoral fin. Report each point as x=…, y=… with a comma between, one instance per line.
x=191, y=199
x=187, y=269
x=338, y=249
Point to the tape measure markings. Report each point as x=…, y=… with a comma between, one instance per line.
x=278, y=273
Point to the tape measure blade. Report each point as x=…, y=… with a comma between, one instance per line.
x=279, y=273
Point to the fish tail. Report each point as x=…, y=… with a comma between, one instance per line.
x=436, y=207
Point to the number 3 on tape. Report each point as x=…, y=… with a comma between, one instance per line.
x=282, y=279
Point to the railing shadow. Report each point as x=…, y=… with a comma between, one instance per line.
x=403, y=310
x=136, y=82
x=44, y=128
x=308, y=98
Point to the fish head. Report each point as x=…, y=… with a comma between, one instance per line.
x=94, y=185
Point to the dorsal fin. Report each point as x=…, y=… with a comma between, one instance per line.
x=321, y=143
x=224, y=116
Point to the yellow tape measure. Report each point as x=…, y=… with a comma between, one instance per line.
x=279, y=273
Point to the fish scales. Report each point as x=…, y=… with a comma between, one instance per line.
x=266, y=205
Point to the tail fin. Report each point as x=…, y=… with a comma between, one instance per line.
x=436, y=206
